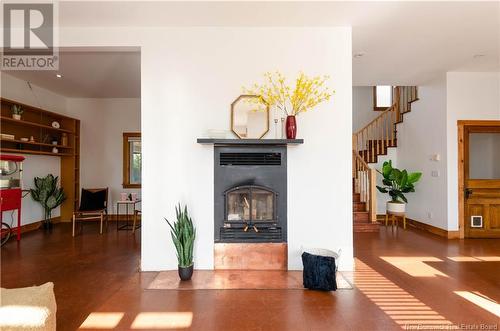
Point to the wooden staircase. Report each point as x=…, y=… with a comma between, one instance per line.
x=368, y=144
x=381, y=133
x=361, y=216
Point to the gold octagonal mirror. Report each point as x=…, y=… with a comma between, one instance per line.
x=250, y=117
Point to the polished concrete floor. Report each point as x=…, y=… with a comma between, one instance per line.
x=403, y=279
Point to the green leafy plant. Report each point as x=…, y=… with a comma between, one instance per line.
x=48, y=193
x=183, y=234
x=17, y=109
x=397, y=182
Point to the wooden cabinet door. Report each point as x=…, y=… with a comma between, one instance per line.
x=482, y=203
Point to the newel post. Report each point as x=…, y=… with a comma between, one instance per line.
x=373, y=195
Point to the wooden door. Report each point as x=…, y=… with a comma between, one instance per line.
x=482, y=182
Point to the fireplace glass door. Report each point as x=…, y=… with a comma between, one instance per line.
x=250, y=204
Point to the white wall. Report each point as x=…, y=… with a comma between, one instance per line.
x=189, y=78
x=469, y=95
x=102, y=123
x=34, y=165
x=362, y=107
x=422, y=135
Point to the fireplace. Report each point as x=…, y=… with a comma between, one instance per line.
x=250, y=203
x=250, y=194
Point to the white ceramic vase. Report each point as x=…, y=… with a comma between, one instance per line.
x=16, y=116
x=396, y=207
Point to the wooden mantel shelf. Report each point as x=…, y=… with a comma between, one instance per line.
x=275, y=142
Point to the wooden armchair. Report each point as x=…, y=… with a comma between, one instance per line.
x=93, y=206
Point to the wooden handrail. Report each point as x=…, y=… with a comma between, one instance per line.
x=379, y=134
x=376, y=118
x=374, y=138
x=362, y=162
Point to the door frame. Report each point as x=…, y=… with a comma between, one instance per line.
x=464, y=128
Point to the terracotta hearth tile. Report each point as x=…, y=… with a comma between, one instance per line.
x=235, y=280
x=230, y=279
x=265, y=256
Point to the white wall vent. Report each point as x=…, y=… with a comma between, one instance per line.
x=476, y=221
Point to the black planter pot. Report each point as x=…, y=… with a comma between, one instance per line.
x=185, y=273
x=47, y=225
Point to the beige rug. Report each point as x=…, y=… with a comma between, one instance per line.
x=237, y=280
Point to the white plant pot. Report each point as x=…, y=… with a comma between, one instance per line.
x=396, y=207
x=16, y=116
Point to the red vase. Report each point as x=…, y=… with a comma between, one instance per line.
x=291, y=127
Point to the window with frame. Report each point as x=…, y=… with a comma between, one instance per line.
x=382, y=97
x=132, y=160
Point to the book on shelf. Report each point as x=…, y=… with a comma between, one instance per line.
x=7, y=136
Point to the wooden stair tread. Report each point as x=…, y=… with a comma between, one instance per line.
x=368, y=227
x=359, y=206
x=356, y=197
x=360, y=216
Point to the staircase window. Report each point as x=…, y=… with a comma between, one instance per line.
x=382, y=97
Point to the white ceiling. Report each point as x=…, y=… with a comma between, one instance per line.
x=91, y=74
x=404, y=43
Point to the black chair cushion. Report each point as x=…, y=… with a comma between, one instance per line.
x=93, y=200
x=319, y=272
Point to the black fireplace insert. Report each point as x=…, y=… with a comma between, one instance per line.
x=250, y=194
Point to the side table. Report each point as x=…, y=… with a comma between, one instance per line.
x=128, y=217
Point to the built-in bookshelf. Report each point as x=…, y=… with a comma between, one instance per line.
x=37, y=134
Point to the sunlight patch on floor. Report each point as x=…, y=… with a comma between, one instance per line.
x=474, y=258
x=481, y=300
x=102, y=320
x=402, y=307
x=415, y=266
x=463, y=259
x=143, y=320
x=163, y=320
x=488, y=258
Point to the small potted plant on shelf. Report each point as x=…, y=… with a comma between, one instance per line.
x=48, y=193
x=396, y=184
x=183, y=234
x=17, y=111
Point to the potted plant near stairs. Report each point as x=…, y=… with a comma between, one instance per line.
x=183, y=234
x=397, y=183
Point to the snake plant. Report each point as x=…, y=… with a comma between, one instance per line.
x=183, y=234
x=48, y=194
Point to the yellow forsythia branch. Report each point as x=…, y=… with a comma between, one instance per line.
x=307, y=93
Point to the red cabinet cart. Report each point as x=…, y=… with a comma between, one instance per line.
x=11, y=169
